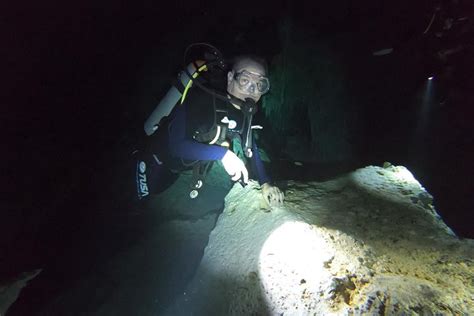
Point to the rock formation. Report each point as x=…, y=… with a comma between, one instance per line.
x=369, y=242
x=10, y=289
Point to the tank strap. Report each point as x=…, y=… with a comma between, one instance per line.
x=178, y=85
x=216, y=136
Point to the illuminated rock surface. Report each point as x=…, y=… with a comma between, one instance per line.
x=10, y=290
x=366, y=243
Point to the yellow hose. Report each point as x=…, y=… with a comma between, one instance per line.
x=190, y=83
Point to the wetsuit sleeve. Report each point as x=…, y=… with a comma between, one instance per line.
x=257, y=165
x=183, y=147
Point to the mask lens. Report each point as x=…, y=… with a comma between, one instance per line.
x=263, y=85
x=246, y=81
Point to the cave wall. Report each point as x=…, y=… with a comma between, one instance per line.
x=309, y=102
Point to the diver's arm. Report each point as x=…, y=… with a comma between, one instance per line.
x=183, y=147
x=257, y=165
x=272, y=194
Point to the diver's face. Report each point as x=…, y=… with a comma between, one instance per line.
x=247, y=80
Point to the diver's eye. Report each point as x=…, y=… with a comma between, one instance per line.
x=243, y=81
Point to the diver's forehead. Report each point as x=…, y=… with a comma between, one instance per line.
x=252, y=67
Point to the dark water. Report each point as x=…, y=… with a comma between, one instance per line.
x=81, y=82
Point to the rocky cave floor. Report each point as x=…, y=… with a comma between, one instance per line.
x=380, y=245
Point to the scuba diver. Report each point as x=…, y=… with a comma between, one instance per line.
x=195, y=127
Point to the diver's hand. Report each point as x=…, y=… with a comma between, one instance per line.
x=235, y=167
x=272, y=195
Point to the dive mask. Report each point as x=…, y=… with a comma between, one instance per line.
x=251, y=82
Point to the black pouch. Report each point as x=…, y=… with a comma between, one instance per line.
x=151, y=175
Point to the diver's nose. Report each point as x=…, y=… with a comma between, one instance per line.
x=252, y=88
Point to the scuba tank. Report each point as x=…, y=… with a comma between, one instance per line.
x=174, y=94
x=191, y=70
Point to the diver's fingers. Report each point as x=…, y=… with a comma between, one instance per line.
x=268, y=199
x=237, y=176
x=241, y=173
x=277, y=196
x=273, y=197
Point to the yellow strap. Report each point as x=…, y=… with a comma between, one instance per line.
x=190, y=83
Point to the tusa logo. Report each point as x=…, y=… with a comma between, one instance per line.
x=141, y=180
x=143, y=185
x=142, y=166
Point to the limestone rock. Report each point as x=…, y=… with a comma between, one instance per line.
x=369, y=242
x=10, y=290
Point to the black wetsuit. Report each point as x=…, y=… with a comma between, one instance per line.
x=203, y=128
